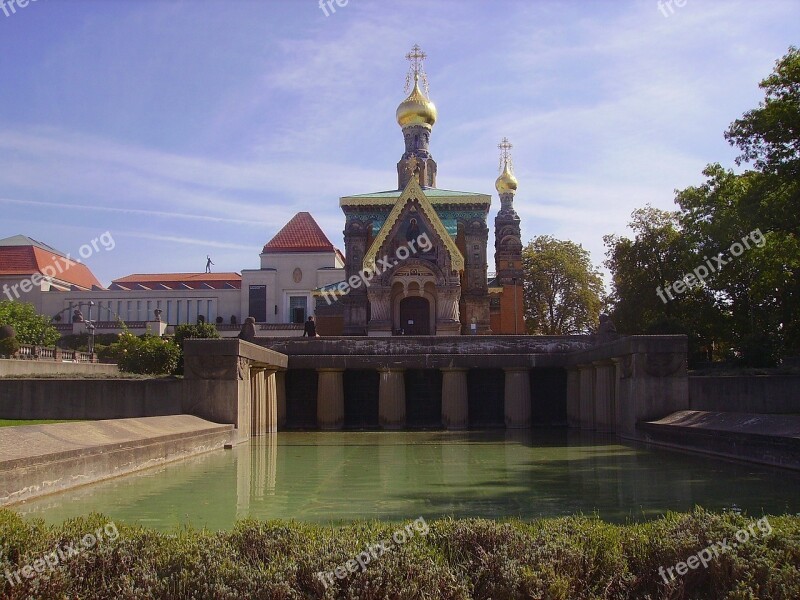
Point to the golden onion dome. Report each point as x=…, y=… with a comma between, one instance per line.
x=506, y=182
x=417, y=109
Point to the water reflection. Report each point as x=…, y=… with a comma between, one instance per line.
x=397, y=475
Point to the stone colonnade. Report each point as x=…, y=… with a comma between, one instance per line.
x=237, y=382
x=611, y=392
x=392, y=398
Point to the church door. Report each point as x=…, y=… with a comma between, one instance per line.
x=415, y=314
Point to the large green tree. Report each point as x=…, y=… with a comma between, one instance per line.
x=769, y=136
x=30, y=327
x=644, y=270
x=748, y=307
x=563, y=290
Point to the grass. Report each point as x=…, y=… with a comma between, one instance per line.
x=15, y=423
x=571, y=558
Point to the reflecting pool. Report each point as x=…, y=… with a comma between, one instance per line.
x=342, y=476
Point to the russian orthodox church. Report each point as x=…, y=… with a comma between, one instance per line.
x=442, y=289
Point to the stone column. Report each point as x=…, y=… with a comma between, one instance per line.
x=518, y=398
x=573, y=397
x=280, y=394
x=605, y=373
x=330, y=399
x=258, y=402
x=392, y=399
x=653, y=382
x=455, y=399
x=270, y=402
x=586, y=375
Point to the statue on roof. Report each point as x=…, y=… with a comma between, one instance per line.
x=208, y=264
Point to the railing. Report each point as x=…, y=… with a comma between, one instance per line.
x=47, y=353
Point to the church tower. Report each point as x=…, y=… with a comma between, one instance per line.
x=421, y=250
x=508, y=248
x=416, y=115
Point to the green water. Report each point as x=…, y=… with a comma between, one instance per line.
x=338, y=477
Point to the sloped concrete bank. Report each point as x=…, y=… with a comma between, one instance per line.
x=43, y=459
x=765, y=439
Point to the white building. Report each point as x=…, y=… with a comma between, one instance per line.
x=298, y=260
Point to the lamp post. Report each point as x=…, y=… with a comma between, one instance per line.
x=90, y=327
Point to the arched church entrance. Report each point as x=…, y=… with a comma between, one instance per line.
x=415, y=316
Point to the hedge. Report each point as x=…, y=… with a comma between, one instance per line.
x=575, y=558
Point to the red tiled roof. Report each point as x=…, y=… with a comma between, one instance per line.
x=301, y=234
x=27, y=260
x=172, y=280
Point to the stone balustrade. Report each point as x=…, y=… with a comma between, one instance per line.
x=51, y=353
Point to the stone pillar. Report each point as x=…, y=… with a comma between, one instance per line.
x=455, y=399
x=392, y=399
x=270, y=402
x=280, y=394
x=518, y=398
x=586, y=376
x=330, y=398
x=573, y=397
x=605, y=374
x=617, y=406
x=653, y=383
x=258, y=402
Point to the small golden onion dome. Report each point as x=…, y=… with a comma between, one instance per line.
x=416, y=109
x=506, y=182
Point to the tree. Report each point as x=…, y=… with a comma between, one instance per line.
x=769, y=136
x=31, y=327
x=563, y=290
x=644, y=271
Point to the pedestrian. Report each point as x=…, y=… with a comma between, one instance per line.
x=310, y=328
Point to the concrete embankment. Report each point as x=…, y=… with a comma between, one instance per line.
x=49, y=368
x=41, y=459
x=765, y=439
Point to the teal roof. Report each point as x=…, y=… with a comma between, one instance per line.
x=429, y=192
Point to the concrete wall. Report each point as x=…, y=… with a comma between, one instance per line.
x=90, y=399
x=51, y=458
x=648, y=381
x=763, y=394
x=43, y=367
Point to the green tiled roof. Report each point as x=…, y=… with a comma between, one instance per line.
x=429, y=192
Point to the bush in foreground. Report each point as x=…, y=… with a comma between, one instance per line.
x=575, y=558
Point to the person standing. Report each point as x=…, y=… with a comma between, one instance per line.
x=208, y=264
x=310, y=328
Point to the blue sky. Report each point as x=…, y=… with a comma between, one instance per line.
x=194, y=128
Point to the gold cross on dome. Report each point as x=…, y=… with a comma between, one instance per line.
x=505, y=154
x=416, y=71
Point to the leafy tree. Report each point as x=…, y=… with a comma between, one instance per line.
x=31, y=327
x=769, y=136
x=748, y=308
x=563, y=290
x=645, y=268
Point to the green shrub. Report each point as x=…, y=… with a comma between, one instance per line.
x=146, y=355
x=9, y=346
x=80, y=341
x=201, y=330
x=572, y=558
